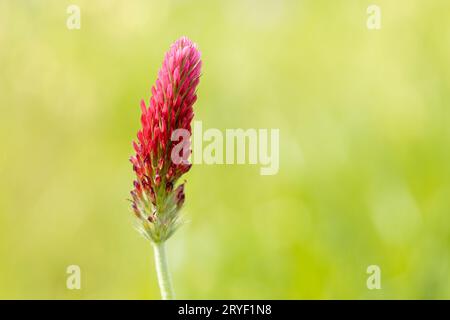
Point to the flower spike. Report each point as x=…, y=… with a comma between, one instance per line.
x=156, y=199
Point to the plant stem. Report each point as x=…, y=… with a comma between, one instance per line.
x=162, y=271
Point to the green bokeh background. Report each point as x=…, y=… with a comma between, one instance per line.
x=364, y=149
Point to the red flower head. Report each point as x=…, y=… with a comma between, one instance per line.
x=154, y=200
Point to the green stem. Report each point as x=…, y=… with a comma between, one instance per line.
x=162, y=271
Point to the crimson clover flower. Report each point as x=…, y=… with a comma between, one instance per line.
x=156, y=197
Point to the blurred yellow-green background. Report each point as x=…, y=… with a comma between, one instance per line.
x=364, y=149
